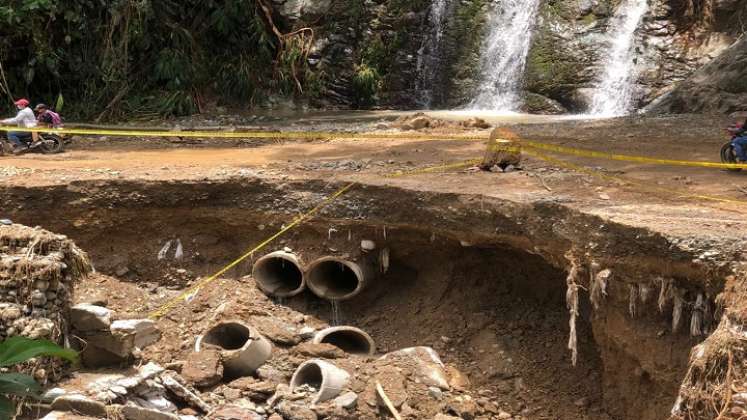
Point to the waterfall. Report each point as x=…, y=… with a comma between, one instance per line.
x=614, y=91
x=429, y=54
x=504, y=55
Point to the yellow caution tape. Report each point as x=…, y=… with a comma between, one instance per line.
x=627, y=158
x=190, y=293
x=238, y=134
x=642, y=186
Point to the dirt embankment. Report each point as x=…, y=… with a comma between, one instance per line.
x=483, y=280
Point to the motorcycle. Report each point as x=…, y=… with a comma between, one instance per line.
x=46, y=143
x=728, y=155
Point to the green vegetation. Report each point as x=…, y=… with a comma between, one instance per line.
x=143, y=58
x=366, y=83
x=16, y=350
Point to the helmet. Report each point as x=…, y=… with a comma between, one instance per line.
x=22, y=102
x=40, y=107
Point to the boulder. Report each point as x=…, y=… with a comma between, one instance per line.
x=85, y=317
x=142, y=332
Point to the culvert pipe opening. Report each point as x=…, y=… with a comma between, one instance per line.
x=243, y=349
x=335, y=279
x=228, y=335
x=327, y=379
x=349, y=339
x=279, y=274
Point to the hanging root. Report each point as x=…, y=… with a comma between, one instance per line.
x=679, y=302
x=633, y=299
x=571, y=299
x=665, y=293
x=598, y=289
x=696, y=320
x=646, y=291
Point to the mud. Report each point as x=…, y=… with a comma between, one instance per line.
x=480, y=279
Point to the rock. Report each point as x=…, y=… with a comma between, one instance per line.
x=293, y=411
x=260, y=391
x=368, y=245
x=79, y=404
x=272, y=374
x=52, y=394
x=445, y=417
x=538, y=104
x=142, y=332
x=716, y=87
x=323, y=350
x=184, y=393
x=231, y=394
x=504, y=415
x=278, y=331
x=436, y=393
x=348, y=400
x=203, y=369
x=307, y=333
x=457, y=379
x=393, y=383
x=85, y=317
x=464, y=406
x=139, y=413
x=233, y=412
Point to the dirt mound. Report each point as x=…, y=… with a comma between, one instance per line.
x=422, y=121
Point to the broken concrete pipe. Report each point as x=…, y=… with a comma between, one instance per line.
x=334, y=278
x=349, y=339
x=243, y=349
x=279, y=274
x=326, y=378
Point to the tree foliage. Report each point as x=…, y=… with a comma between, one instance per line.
x=141, y=58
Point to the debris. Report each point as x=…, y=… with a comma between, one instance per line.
x=182, y=392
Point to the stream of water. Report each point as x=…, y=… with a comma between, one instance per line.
x=615, y=88
x=429, y=54
x=504, y=55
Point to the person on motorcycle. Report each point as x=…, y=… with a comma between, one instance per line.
x=45, y=117
x=740, y=141
x=24, y=119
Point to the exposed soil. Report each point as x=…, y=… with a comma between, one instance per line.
x=478, y=267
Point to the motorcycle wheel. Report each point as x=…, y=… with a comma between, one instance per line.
x=51, y=143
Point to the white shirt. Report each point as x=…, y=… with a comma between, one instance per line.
x=25, y=118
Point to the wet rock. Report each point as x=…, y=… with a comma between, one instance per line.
x=348, y=400
x=323, y=350
x=203, y=369
x=130, y=412
x=79, y=404
x=85, y=317
x=233, y=412
x=293, y=411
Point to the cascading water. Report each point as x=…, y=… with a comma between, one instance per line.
x=614, y=91
x=504, y=55
x=429, y=54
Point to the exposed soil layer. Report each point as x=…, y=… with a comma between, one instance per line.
x=480, y=279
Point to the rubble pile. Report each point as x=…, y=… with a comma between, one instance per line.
x=38, y=271
x=278, y=370
x=422, y=121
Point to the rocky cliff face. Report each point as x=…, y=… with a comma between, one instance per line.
x=365, y=52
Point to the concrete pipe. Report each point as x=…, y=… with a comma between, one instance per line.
x=326, y=378
x=279, y=274
x=336, y=279
x=243, y=349
x=349, y=339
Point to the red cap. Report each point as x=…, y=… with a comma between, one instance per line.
x=22, y=102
